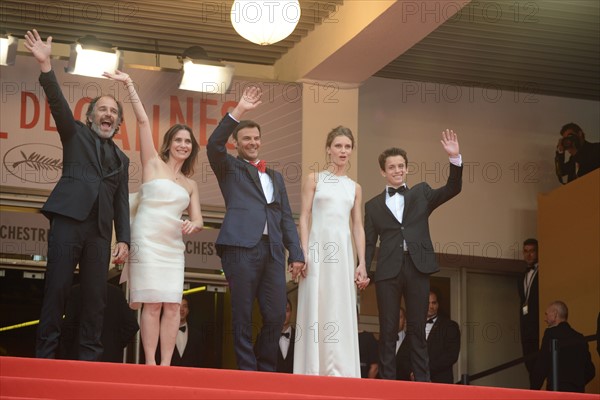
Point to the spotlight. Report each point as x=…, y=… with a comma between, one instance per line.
x=201, y=74
x=90, y=57
x=8, y=49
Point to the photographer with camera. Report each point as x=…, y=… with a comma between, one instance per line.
x=584, y=156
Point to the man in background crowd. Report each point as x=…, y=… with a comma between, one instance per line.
x=443, y=342
x=530, y=306
x=574, y=360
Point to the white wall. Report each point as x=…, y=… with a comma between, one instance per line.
x=491, y=331
x=507, y=141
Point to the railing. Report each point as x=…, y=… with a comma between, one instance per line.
x=466, y=379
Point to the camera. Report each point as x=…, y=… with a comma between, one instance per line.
x=571, y=141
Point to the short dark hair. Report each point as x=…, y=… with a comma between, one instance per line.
x=391, y=152
x=571, y=125
x=187, y=168
x=530, y=242
x=92, y=108
x=245, y=124
x=435, y=292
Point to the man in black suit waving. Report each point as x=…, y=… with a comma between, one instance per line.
x=257, y=228
x=399, y=218
x=91, y=193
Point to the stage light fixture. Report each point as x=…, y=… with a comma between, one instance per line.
x=90, y=57
x=8, y=49
x=201, y=74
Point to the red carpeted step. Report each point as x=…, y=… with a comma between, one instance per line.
x=39, y=378
x=27, y=388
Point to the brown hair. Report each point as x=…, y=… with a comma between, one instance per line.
x=245, y=124
x=91, y=110
x=391, y=152
x=188, y=165
x=339, y=131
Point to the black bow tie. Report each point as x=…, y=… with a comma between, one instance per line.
x=182, y=328
x=286, y=334
x=391, y=191
x=431, y=320
x=530, y=268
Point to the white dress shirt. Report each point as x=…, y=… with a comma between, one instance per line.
x=401, y=336
x=284, y=342
x=181, y=340
x=429, y=326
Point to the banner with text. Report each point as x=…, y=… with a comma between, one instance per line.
x=31, y=151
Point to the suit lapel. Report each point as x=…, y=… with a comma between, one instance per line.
x=119, y=160
x=386, y=210
x=97, y=144
x=253, y=171
x=118, y=152
x=433, y=330
x=407, y=203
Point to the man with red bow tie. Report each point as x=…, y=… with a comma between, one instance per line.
x=257, y=228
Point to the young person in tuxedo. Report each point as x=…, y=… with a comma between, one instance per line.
x=91, y=194
x=257, y=228
x=399, y=218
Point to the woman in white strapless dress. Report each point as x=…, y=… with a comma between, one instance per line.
x=156, y=262
x=327, y=331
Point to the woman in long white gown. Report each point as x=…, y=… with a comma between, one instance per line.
x=327, y=331
x=156, y=261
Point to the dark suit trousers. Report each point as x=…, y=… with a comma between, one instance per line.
x=70, y=243
x=414, y=286
x=254, y=273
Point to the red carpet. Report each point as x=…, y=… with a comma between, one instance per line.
x=29, y=378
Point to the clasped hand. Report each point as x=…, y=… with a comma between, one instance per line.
x=297, y=269
x=188, y=227
x=120, y=253
x=361, y=278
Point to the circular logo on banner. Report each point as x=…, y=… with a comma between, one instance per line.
x=34, y=162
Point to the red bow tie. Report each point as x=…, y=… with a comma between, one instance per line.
x=260, y=165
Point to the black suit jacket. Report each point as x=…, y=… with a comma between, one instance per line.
x=419, y=203
x=530, y=323
x=574, y=360
x=588, y=158
x=247, y=209
x=443, y=345
x=403, y=368
x=119, y=327
x=83, y=181
x=287, y=364
x=193, y=354
x=368, y=352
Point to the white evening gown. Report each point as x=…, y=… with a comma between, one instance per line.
x=327, y=332
x=156, y=260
